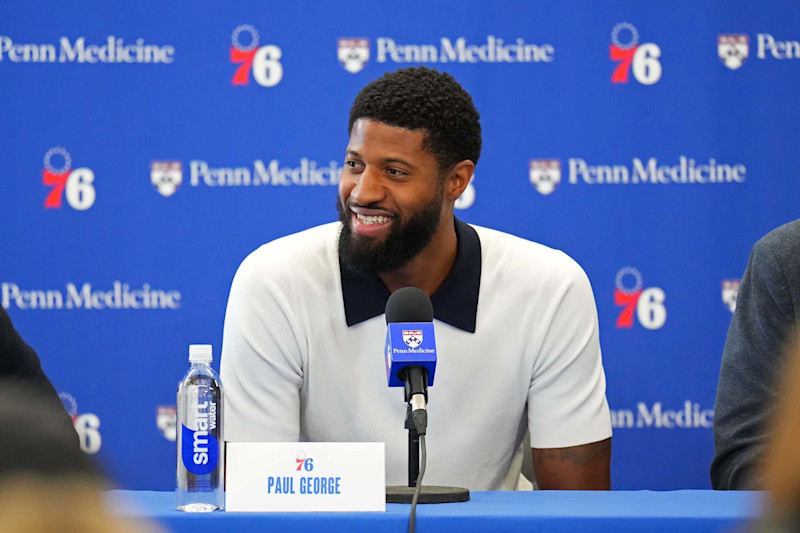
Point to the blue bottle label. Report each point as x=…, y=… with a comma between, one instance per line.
x=200, y=448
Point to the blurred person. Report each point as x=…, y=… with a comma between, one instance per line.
x=47, y=484
x=779, y=468
x=766, y=312
x=20, y=364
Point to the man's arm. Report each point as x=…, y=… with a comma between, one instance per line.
x=586, y=467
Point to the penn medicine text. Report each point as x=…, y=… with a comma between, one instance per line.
x=113, y=50
x=691, y=415
x=686, y=171
x=120, y=296
x=494, y=50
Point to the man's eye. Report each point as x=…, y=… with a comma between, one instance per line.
x=395, y=172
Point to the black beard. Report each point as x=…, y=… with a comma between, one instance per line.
x=404, y=242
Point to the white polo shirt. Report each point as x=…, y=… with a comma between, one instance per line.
x=517, y=346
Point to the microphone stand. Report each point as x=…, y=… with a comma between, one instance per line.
x=417, y=384
x=413, y=449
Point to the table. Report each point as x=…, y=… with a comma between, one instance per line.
x=541, y=511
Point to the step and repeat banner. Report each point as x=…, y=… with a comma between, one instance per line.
x=146, y=148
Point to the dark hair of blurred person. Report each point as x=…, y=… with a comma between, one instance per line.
x=20, y=365
x=47, y=484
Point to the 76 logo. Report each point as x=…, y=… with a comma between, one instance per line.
x=641, y=59
x=74, y=185
x=264, y=62
x=303, y=462
x=646, y=304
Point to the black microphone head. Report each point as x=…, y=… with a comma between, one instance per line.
x=409, y=304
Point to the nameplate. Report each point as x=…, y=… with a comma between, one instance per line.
x=305, y=476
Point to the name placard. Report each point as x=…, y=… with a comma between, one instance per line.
x=305, y=476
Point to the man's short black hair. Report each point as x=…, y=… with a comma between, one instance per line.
x=420, y=98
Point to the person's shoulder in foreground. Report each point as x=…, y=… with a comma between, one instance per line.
x=305, y=312
x=766, y=312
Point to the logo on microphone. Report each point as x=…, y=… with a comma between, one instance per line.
x=263, y=62
x=74, y=185
x=412, y=337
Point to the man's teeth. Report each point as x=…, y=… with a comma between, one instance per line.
x=373, y=220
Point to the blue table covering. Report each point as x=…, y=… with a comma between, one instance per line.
x=541, y=511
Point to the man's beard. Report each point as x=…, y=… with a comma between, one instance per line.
x=405, y=240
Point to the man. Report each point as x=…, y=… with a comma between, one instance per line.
x=766, y=312
x=516, y=324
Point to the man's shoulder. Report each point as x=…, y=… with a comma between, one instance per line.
x=783, y=241
x=511, y=252
x=308, y=252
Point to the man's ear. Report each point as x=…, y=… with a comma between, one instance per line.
x=458, y=179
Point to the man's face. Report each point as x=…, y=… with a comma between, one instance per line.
x=390, y=197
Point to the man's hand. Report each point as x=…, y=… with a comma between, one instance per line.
x=585, y=467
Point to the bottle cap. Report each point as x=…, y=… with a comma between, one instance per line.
x=200, y=353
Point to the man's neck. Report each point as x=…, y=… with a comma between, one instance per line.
x=429, y=269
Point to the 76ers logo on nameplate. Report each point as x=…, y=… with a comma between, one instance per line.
x=353, y=53
x=303, y=462
x=545, y=175
x=412, y=337
x=733, y=49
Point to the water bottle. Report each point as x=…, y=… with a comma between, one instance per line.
x=201, y=448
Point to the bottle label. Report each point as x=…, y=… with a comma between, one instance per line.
x=200, y=448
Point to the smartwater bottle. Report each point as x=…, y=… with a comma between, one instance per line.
x=201, y=448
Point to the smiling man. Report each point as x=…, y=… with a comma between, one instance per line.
x=516, y=323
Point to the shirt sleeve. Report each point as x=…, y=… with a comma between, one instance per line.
x=262, y=363
x=750, y=362
x=567, y=396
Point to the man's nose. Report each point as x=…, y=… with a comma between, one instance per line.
x=369, y=188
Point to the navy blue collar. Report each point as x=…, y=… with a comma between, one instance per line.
x=454, y=302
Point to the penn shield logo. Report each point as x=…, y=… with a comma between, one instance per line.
x=353, y=53
x=263, y=62
x=733, y=49
x=730, y=290
x=87, y=425
x=545, y=175
x=166, y=176
x=412, y=337
x=644, y=304
x=74, y=185
x=166, y=421
x=640, y=59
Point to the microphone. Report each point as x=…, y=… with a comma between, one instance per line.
x=411, y=349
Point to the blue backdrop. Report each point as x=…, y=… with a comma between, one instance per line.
x=146, y=148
